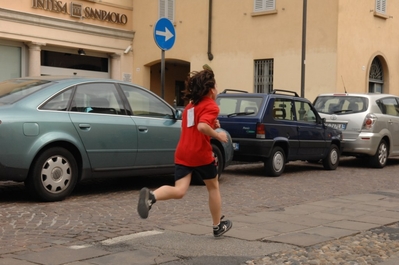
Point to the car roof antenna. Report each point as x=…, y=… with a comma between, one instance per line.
x=344, y=84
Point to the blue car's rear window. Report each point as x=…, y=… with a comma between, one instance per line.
x=248, y=106
x=15, y=89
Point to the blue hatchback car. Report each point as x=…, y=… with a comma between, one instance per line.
x=56, y=131
x=277, y=127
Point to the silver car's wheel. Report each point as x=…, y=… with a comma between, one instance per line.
x=275, y=164
x=53, y=175
x=379, y=160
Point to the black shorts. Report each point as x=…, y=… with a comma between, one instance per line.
x=204, y=172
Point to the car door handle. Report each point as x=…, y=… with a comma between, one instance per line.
x=143, y=129
x=84, y=126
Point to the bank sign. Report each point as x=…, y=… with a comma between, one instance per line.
x=78, y=11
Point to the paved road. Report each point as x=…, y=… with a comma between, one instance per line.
x=104, y=209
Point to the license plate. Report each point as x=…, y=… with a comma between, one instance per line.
x=236, y=146
x=339, y=126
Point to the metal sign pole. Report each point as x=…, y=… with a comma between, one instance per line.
x=164, y=36
x=163, y=74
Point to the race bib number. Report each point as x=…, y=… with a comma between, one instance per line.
x=190, y=117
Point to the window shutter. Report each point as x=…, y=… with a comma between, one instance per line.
x=166, y=9
x=264, y=5
x=270, y=4
x=380, y=6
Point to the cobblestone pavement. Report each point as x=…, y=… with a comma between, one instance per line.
x=103, y=209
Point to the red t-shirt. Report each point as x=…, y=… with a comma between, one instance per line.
x=194, y=148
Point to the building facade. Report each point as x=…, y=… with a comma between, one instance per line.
x=307, y=46
x=50, y=37
x=259, y=45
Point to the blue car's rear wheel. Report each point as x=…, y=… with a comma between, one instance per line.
x=53, y=175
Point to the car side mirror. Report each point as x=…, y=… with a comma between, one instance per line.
x=178, y=114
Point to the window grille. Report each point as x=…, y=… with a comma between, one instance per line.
x=263, y=76
x=264, y=5
x=167, y=9
x=376, y=76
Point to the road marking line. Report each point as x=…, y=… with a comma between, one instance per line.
x=129, y=237
x=80, y=247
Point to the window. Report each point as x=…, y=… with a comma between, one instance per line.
x=167, y=9
x=282, y=110
x=304, y=112
x=146, y=104
x=376, y=77
x=100, y=98
x=263, y=76
x=74, y=61
x=10, y=62
x=264, y=5
x=380, y=6
x=248, y=105
x=389, y=106
x=13, y=90
x=59, y=102
x=340, y=104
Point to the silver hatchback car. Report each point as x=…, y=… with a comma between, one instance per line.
x=369, y=123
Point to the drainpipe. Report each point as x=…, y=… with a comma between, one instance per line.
x=304, y=14
x=210, y=55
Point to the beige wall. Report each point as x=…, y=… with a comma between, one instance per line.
x=343, y=37
x=362, y=36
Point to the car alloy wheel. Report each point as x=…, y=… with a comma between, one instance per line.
x=379, y=160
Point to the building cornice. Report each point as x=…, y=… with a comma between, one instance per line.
x=61, y=24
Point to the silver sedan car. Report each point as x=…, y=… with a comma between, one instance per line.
x=369, y=122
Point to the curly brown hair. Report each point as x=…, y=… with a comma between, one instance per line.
x=198, y=85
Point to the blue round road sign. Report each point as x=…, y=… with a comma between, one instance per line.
x=164, y=34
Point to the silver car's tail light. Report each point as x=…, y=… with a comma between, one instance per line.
x=369, y=121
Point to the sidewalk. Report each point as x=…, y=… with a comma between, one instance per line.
x=252, y=236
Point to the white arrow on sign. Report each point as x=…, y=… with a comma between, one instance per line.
x=167, y=34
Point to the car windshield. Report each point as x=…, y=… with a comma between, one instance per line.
x=238, y=106
x=15, y=89
x=340, y=104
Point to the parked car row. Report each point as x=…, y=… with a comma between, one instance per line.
x=57, y=131
x=276, y=128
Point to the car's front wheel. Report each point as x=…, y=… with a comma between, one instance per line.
x=275, y=164
x=332, y=160
x=379, y=160
x=53, y=175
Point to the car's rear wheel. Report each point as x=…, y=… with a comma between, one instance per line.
x=275, y=164
x=332, y=160
x=217, y=154
x=53, y=175
x=379, y=160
